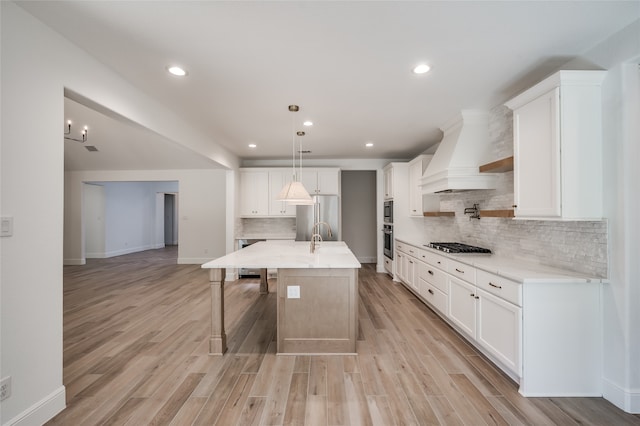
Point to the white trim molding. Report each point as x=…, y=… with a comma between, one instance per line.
x=625, y=399
x=42, y=411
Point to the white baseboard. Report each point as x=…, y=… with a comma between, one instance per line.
x=625, y=399
x=42, y=411
x=82, y=261
x=128, y=250
x=159, y=246
x=367, y=259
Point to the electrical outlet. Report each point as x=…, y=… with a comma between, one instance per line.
x=5, y=388
x=293, y=292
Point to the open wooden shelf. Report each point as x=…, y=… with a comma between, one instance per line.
x=499, y=166
x=438, y=214
x=497, y=213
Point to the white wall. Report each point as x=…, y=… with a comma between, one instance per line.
x=202, y=215
x=37, y=65
x=94, y=220
x=130, y=215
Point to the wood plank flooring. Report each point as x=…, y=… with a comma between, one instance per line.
x=135, y=353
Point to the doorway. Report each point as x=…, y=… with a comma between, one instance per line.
x=170, y=220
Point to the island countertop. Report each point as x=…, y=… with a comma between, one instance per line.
x=288, y=254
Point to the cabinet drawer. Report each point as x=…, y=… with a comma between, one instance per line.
x=434, y=259
x=401, y=247
x=435, y=297
x=413, y=251
x=388, y=265
x=504, y=288
x=433, y=276
x=462, y=270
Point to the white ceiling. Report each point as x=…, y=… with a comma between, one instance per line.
x=346, y=64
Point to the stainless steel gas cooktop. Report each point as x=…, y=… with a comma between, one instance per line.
x=459, y=248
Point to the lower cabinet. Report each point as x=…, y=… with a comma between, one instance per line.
x=462, y=306
x=498, y=329
x=543, y=333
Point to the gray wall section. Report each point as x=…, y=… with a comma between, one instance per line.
x=359, y=214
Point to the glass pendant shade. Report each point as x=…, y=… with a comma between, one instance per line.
x=295, y=193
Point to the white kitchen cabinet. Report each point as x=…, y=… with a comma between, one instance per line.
x=277, y=180
x=254, y=193
x=387, y=183
x=557, y=128
x=321, y=181
x=462, y=306
x=419, y=202
x=498, y=329
x=407, y=265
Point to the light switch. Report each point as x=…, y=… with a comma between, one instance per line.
x=293, y=292
x=6, y=226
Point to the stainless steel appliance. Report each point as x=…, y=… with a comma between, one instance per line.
x=388, y=240
x=388, y=212
x=325, y=208
x=459, y=248
x=248, y=272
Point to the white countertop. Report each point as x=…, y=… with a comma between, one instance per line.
x=288, y=254
x=514, y=269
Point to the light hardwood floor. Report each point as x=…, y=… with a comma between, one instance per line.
x=135, y=353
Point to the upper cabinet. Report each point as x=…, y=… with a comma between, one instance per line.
x=254, y=193
x=277, y=180
x=557, y=128
x=418, y=202
x=324, y=181
x=387, y=184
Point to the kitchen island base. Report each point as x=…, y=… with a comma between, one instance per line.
x=317, y=311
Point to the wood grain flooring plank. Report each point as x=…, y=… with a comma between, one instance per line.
x=318, y=375
x=357, y=404
x=278, y=390
x=337, y=409
x=232, y=410
x=487, y=411
x=252, y=411
x=189, y=411
x=316, y=411
x=380, y=411
x=443, y=409
x=176, y=400
x=297, y=400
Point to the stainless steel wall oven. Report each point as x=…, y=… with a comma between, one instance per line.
x=388, y=240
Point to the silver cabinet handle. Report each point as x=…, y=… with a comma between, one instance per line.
x=462, y=272
x=493, y=285
x=430, y=272
x=472, y=295
x=430, y=291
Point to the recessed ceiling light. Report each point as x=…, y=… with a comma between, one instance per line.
x=368, y=144
x=308, y=123
x=252, y=145
x=421, y=69
x=177, y=71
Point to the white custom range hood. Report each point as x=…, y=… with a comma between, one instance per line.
x=464, y=147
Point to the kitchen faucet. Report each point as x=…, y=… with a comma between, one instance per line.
x=315, y=233
x=314, y=238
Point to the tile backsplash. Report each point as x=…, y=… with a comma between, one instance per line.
x=265, y=227
x=579, y=246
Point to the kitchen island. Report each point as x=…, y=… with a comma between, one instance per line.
x=317, y=295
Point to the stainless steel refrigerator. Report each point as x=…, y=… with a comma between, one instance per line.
x=326, y=208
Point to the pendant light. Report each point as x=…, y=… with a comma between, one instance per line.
x=294, y=192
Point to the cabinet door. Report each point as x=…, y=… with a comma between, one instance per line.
x=536, y=128
x=400, y=266
x=499, y=329
x=410, y=273
x=277, y=180
x=328, y=182
x=388, y=183
x=415, y=192
x=309, y=179
x=462, y=305
x=254, y=193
